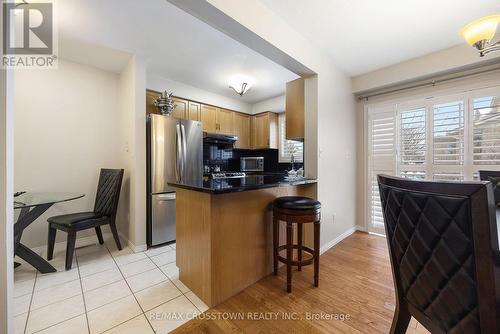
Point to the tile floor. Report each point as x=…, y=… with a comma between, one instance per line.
x=107, y=291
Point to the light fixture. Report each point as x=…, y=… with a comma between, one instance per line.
x=479, y=34
x=240, y=84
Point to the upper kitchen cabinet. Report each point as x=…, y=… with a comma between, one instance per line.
x=209, y=118
x=180, y=108
x=194, y=111
x=225, y=121
x=295, y=109
x=151, y=96
x=264, y=132
x=241, y=124
x=180, y=105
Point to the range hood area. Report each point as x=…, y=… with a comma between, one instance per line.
x=218, y=138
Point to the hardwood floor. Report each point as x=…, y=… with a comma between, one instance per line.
x=355, y=284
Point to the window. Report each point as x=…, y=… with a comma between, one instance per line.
x=287, y=148
x=440, y=138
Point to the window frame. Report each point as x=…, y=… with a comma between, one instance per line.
x=468, y=168
x=282, y=140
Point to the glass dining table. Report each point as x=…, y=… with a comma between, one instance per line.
x=32, y=205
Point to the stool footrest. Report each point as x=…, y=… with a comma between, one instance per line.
x=296, y=262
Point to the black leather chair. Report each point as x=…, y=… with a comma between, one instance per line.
x=493, y=177
x=106, y=205
x=443, y=249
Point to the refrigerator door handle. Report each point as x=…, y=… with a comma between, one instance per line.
x=178, y=152
x=166, y=197
x=184, y=150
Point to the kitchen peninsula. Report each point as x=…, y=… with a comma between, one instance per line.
x=224, y=231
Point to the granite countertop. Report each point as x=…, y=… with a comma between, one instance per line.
x=250, y=182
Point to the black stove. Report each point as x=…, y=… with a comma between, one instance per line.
x=227, y=175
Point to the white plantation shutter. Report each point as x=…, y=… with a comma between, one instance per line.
x=381, y=160
x=287, y=148
x=448, y=141
x=486, y=131
x=412, y=143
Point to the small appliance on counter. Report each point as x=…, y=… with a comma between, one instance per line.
x=252, y=164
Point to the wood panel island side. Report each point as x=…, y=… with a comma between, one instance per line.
x=224, y=233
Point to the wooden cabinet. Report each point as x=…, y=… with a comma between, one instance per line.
x=180, y=108
x=225, y=121
x=180, y=105
x=295, y=109
x=194, y=111
x=151, y=96
x=241, y=124
x=209, y=118
x=264, y=132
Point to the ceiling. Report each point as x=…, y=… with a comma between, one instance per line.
x=173, y=43
x=365, y=35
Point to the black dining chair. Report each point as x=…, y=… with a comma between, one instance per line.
x=494, y=177
x=443, y=249
x=105, y=208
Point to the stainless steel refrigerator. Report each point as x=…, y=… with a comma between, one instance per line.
x=174, y=153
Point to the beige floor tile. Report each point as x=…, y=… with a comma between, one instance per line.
x=76, y=325
x=96, y=266
x=54, y=313
x=106, y=294
x=100, y=279
x=164, y=258
x=134, y=326
x=20, y=323
x=200, y=305
x=115, y=313
x=24, y=272
x=91, y=249
x=100, y=255
x=128, y=256
x=172, y=314
x=146, y=279
x=55, y=294
x=44, y=281
x=157, y=250
x=156, y=295
x=181, y=286
x=22, y=304
x=23, y=288
x=137, y=267
x=173, y=246
x=171, y=270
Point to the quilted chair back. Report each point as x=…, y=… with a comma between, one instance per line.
x=494, y=178
x=437, y=234
x=108, y=192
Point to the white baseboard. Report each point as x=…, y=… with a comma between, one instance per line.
x=361, y=228
x=135, y=248
x=338, y=239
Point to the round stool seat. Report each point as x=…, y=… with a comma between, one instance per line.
x=296, y=203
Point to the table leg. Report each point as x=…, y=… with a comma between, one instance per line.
x=34, y=259
x=26, y=217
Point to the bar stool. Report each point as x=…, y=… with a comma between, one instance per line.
x=296, y=210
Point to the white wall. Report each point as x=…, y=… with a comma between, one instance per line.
x=450, y=60
x=275, y=104
x=132, y=94
x=330, y=114
x=157, y=83
x=66, y=129
x=6, y=195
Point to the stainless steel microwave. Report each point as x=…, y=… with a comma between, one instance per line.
x=252, y=164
